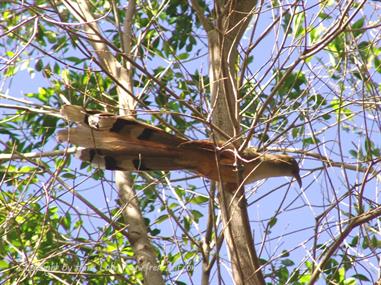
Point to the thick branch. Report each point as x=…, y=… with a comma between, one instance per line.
x=137, y=230
x=223, y=41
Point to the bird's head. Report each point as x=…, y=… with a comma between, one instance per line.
x=287, y=165
x=265, y=165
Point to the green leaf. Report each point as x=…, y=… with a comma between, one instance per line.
x=196, y=215
x=187, y=223
x=189, y=255
x=3, y=264
x=161, y=219
x=299, y=23
x=358, y=25
x=354, y=242
x=295, y=132
x=263, y=137
x=377, y=64
x=66, y=221
x=360, y=277
x=305, y=278
x=285, y=253
x=20, y=219
x=287, y=262
x=56, y=68
x=183, y=56
x=199, y=200
x=39, y=65
x=310, y=141
x=286, y=20
x=68, y=175
x=65, y=76
x=78, y=224
x=354, y=153
x=326, y=117
x=350, y=281
x=74, y=59
x=273, y=221
x=283, y=274
x=51, y=36
x=10, y=71
x=155, y=232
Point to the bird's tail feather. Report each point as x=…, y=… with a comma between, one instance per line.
x=125, y=127
x=130, y=161
x=121, y=143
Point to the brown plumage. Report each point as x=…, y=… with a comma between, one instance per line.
x=121, y=143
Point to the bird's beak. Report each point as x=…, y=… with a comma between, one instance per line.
x=298, y=179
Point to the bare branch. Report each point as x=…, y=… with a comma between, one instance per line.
x=29, y=155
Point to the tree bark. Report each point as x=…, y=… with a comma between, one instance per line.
x=223, y=56
x=137, y=230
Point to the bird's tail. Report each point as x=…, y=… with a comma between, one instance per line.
x=121, y=143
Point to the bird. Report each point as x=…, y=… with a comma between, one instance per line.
x=115, y=142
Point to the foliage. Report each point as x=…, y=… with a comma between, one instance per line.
x=310, y=86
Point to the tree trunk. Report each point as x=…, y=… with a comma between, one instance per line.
x=133, y=218
x=222, y=60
